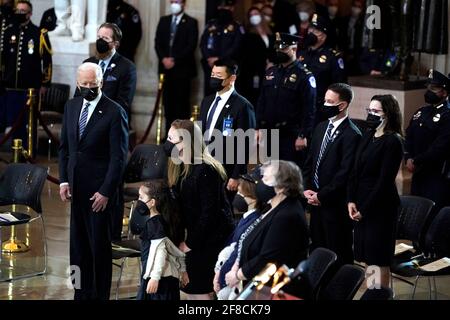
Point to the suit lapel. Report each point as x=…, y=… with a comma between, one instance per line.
x=77, y=111
x=336, y=135
x=225, y=111
x=110, y=67
x=204, y=112
x=95, y=117
x=180, y=27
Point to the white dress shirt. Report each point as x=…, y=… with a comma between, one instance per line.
x=222, y=103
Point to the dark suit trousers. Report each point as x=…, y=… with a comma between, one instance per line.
x=176, y=98
x=90, y=250
x=333, y=234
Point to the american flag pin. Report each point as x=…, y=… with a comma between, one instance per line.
x=100, y=111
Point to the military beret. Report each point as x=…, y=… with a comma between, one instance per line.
x=320, y=23
x=283, y=40
x=437, y=78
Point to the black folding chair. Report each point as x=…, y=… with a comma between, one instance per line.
x=437, y=246
x=22, y=184
x=344, y=284
x=311, y=274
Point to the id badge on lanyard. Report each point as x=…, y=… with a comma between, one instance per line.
x=227, y=129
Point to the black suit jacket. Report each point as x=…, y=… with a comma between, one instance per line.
x=242, y=112
x=336, y=164
x=184, y=45
x=95, y=162
x=119, y=81
x=281, y=237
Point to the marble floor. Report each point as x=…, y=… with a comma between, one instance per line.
x=53, y=284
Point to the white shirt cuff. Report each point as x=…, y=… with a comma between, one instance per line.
x=63, y=184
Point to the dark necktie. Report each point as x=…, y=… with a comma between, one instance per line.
x=173, y=30
x=325, y=142
x=211, y=113
x=103, y=65
x=83, y=119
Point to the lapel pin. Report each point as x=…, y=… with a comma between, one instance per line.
x=100, y=111
x=227, y=106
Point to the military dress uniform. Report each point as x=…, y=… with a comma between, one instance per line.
x=129, y=21
x=26, y=63
x=222, y=41
x=287, y=103
x=325, y=63
x=428, y=144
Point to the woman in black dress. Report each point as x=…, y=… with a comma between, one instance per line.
x=256, y=50
x=199, y=180
x=373, y=197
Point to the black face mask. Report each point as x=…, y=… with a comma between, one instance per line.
x=240, y=204
x=282, y=57
x=141, y=208
x=89, y=93
x=373, y=121
x=311, y=39
x=168, y=148
x=330, y=111
x=224, y=16
x=264, y=193
x=432, y=98
x=102, y=46
x=21, y=17
x=216, y=84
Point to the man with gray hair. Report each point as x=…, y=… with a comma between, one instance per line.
x=92, y=157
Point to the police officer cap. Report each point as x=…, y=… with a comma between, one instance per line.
x=253, y=176
x=226, y=3
x=437, y=78
x=320, y=23
x=283, y=40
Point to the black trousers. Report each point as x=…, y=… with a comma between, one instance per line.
x=333, y=234
x=176, y=98
x=90, y=250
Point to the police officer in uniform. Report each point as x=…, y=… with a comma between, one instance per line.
x=428, y=144
x=129, y=21
x=27, y=63
x=220, y=40
x=325, y=63
x=287, y=102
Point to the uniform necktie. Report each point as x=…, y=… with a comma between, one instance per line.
x=83, y=119
x=103, y=65
x=323, y=147
x=211, y=113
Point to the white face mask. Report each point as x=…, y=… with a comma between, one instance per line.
x=304, y=16
x=332, y=11
x=356, y=11
x=255, y=20
x=175, y=8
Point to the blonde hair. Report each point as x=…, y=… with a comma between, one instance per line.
x=177, y=171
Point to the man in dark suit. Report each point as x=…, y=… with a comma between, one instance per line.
x=222, y=114
x=92, y=156
x=119, y=84
x=119, y=73
x=326, y=172
x=175, y=43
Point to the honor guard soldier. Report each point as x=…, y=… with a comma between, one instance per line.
x=325, y=63
x=27, y=63
x=428, y=144
x=220, y=40
x=287, y=102
x=129, y=21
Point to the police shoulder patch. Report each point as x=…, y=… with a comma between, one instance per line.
x=135, y=18
x=341, y=63
x=312, y=82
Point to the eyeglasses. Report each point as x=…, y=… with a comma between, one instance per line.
x=374, y=111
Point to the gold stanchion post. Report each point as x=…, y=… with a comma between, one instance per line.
x=13, y=245
x=195, y=113
x=160, y=111
x=30, y=104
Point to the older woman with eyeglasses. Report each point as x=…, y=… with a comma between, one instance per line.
x=373, y=199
